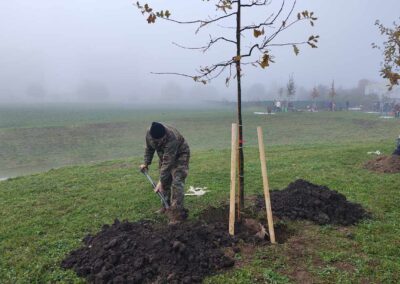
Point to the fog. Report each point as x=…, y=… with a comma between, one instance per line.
x=104, y=51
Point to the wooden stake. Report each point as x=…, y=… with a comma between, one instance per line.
x=266, y=186
x=233, y=180
x=238, y=178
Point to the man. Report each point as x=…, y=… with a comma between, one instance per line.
x=174, y=153
x=397, y=150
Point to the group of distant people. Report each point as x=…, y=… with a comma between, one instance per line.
x=387, y=107
x=280, y=106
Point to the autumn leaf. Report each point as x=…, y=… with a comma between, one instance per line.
x=312, y=45
x=237, y=58
x=265, y=60
x=296, y=49
x=258, y=33
x=167, y=14
x=151, y=19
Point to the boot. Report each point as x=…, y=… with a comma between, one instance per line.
x=176, y=216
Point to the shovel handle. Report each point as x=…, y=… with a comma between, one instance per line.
x=160, y=194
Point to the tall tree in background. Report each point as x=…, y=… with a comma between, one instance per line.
x=265, y=34
x=332, y=95
x=291, y=88
x=314, y=96
x=391, y=53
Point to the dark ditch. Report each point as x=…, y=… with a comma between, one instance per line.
x=150, y=252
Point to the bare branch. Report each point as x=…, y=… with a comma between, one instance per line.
x=201, y=22
x=206, y=47
x=255, y=3
x=266, y=22
x=204, y=73
x=171, y=73
x=285, y=44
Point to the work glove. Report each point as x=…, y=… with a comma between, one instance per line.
x=159, y=187
x=144, y=168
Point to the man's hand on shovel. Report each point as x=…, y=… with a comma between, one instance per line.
x=144, y=167
x=159, y=188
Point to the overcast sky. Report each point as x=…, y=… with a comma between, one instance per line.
x=66, y=49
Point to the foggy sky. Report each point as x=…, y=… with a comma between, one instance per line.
x=88, y=50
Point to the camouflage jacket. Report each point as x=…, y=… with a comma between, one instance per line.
x=169, y=149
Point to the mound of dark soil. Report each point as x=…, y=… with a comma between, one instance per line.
x=384, y=164
x=304, y=200
x=146, y=252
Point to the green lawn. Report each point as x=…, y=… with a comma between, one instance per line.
x=42, y=138
x=44, y=216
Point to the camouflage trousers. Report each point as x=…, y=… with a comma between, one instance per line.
x=174, y=188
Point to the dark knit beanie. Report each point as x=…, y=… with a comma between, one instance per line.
x=157, y=130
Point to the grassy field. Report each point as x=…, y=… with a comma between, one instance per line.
x=45, y=215
x=41, y=138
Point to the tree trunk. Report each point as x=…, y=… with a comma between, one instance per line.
x=239, y=109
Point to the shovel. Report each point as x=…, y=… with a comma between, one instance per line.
x=160, y=194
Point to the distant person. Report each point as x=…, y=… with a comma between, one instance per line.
x=278, y=106
x=397, y=151
x=347, y=105
x=396, y=110
x=174, y=154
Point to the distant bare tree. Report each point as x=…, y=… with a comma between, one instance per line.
x=256, y=54
x=291, y=88
x=332, y=95
x=314, y=96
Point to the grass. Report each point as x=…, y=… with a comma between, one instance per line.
x=37, y=139
x=45, y=215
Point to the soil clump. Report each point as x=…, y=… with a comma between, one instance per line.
x=304, y=200
x=149, y=252
x=384, y=164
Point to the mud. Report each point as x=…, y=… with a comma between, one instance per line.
x=304, y=200
x=384, y=164
x=146, y=252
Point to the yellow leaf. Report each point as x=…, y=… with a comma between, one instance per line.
x=237, y=58
x=265, y=61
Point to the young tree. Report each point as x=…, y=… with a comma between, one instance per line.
x=332, y=95
x=391, y=53
x=266, y=34
x=314, y=96
x=291, y=88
